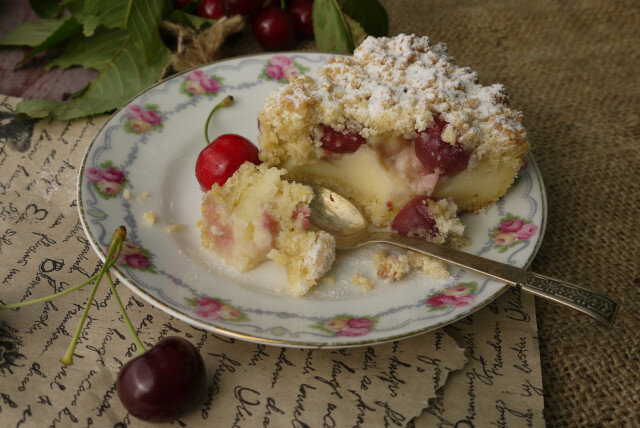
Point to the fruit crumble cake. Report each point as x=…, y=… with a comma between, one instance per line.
x=395, y=121
x=256, y=216
x=399, y=129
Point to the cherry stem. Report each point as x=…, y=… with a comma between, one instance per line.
x=115, y=247
x=283, y=5
x=127, y=321
x=50, y=297
x=224, y=103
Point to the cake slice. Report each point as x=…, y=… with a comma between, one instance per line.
x=395, y=121
x=256, y=216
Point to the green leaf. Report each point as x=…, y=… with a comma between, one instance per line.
x=32, y=33
x=68, y=29
x=45, y=8
x=357, y=32
x=140, y=17
x=121, y=77
x=330, y=27
x=96, y=51
x=370, y=14
x=180, y=17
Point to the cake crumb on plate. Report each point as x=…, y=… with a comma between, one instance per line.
x=432, y=267
x=391, y=267
x=174, y=228
x=150, y=218
x=142, y=197
x=360, y=279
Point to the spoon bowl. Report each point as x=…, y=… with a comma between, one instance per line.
x=337, y=215
x=333, y=213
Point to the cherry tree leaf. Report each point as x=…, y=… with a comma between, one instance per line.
x=68, y=28
x=121, y=77
x=330, y=27
x=357, y=32
x=32, y=33
x=95, y=52
x=140, y=17
x=370, y=14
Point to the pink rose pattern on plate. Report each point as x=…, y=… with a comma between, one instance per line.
x=216, y=309
x=140, y=120
x=512, y=231
x=347, y=325
x=281, y=68
x=459, y=295
x=107, y=180
x=136, y=257
x=197, y=83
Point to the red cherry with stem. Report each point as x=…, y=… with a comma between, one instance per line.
x=212, y=9
x=247, y=8
x=340, y=142
x=220, y=159
x=414, y=219
x=164, y=382
x=274, y=30
x=300, y=12
x=180, y=4
x=160, y=384
x=437, y=155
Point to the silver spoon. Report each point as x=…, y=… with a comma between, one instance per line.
x=337, y=215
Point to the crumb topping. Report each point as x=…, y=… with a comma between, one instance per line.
x=391, y=85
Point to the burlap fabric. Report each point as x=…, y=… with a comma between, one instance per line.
x=573, y=68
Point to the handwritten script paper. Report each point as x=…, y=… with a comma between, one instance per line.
x=43, y=250
x=501, y=384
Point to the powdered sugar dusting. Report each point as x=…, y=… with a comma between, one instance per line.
x=397, y=85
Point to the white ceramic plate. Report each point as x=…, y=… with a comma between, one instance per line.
x=151, y=145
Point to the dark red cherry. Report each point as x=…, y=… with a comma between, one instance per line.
x=274, y=30
x=300, y=12
x=180, y=4
x=414, y=219
x=220, y=159
x=164, y=382
x=437, y=155
x=212, y=9
x=247, y=8
x=340, y=142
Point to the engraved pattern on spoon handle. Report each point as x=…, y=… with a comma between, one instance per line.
x=590, y=302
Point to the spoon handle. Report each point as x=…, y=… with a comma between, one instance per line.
x=592, y=303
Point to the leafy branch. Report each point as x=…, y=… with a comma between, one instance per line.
x=121, y=40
